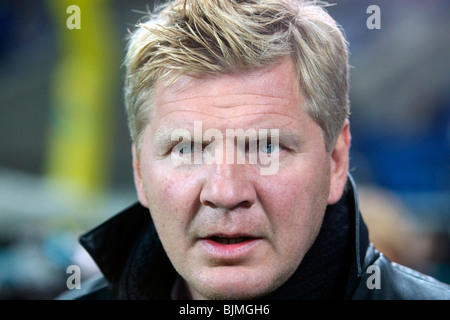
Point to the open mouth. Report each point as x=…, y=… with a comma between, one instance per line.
x=225, y=240
x=230, y=247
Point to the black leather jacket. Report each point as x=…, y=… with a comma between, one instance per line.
x=110, y=245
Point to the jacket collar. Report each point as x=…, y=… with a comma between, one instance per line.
x=359, y=237
x=113, y=246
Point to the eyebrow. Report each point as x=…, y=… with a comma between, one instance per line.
x=291, y=139
x=164, y=139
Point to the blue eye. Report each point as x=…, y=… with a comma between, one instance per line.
x=184, y=148
x=269, y=147
x=187, y=149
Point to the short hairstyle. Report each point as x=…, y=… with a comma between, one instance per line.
x=210, y=37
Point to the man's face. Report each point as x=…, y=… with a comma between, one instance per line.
x=230, y=231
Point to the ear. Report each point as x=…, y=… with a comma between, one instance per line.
x=138, y=182
x=339, y=164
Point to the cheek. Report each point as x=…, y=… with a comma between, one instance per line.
x=158, y=187
x=293, y=195
x=295, y=201
x=173, y=198
x=161, y=184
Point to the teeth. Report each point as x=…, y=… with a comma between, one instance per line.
x=229, y=240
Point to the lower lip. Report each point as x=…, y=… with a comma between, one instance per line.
x=229, y=251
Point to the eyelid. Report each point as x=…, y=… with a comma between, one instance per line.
x=286, y=141
x=182, y=144
x=267, y=142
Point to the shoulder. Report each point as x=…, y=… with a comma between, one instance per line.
x=95, y=288
x=387, y=280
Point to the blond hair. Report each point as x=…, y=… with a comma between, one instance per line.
x=218, y=36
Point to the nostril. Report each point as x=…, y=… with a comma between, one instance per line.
x=244, y=204
x=210, y=204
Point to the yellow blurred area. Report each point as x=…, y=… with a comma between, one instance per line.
x=79, y=141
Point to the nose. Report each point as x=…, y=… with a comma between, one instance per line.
x=227, y=187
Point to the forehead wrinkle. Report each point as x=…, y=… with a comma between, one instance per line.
x=228, y=96
x=164, y=134
x=226, y=117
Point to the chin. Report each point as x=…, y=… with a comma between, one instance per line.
x=235, y=293
x=223, y=286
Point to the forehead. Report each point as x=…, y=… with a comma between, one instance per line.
x=268, y=97
x=267, y=81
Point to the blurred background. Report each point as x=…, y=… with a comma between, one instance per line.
x=65, y=161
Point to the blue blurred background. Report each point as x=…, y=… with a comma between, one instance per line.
x=65, y=162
